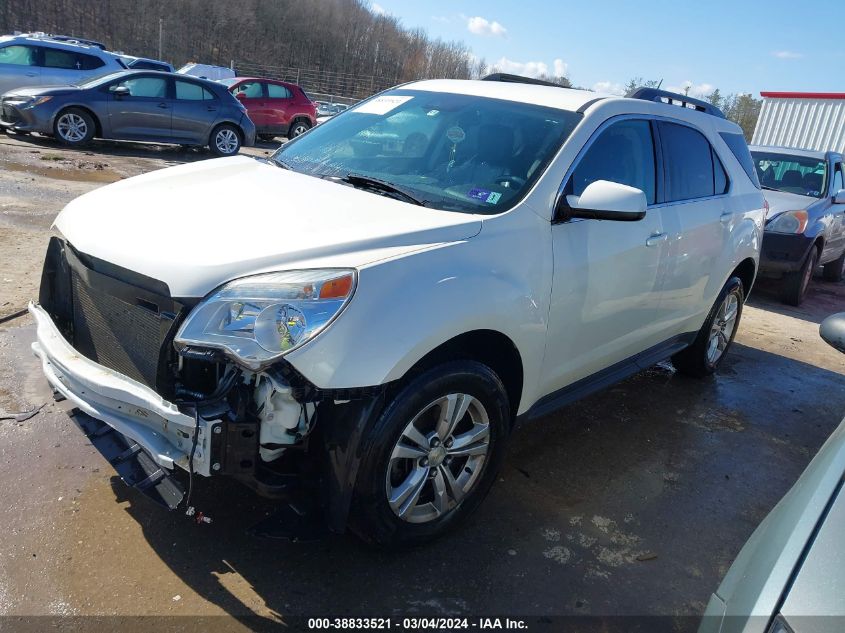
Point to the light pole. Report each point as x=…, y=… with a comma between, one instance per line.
x=160, y=30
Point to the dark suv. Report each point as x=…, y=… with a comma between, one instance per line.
x=805, y=225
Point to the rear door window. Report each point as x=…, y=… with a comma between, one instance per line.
x=57, y=58
x=275, y=91
x=623, y=153
x=189, y=91
x=18, y=55
x=688, y=163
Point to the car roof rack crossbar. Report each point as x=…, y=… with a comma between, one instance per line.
x=674, y=98
x=519, y=79
x=67, y=39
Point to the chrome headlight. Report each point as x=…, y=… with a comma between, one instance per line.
x=791, y=222
x=256, y=320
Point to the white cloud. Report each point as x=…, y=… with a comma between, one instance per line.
x=378, y=9
x=695, y=90
x=482, y=26
x=787, y=55
x=560, y=67
x=530, y=69
x=609, y=87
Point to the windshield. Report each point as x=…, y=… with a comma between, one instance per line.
x=448, y=151
x=792, y=174
x=100, y=79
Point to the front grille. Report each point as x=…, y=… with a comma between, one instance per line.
x=9, y=114
x=116, y=334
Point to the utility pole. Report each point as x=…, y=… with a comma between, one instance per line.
x=160, y=31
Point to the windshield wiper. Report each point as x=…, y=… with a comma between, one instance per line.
x=366, y=182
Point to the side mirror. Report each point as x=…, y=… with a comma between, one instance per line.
x=839, y=197
x=120, y=91
x=240, y=96
x=832, y=330
x=605, y=200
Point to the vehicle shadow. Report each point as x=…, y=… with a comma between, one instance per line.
x=633, y=501
x=140, y=149
x=823, y=299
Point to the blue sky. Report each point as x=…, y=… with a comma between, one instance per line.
x=737, y=46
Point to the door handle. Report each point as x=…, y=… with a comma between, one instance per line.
x=725, y=218
x=212, y=109
x=655, y=239
x=163, y=106
x=31, y=74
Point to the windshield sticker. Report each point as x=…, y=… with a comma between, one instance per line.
x=456, y=134
x=484, y=195
x=381, y=105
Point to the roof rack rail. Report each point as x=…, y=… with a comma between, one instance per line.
x=519, y=79
x=674, y=98
x=70, y=39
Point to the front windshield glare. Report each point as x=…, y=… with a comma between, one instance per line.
x=792, y=174
x=449, y=151
x=101, y=79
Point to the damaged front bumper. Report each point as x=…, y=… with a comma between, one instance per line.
x=132, y=409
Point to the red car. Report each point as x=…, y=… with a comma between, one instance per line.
x=277, y=108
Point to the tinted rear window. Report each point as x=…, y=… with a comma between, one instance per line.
x=737, y=145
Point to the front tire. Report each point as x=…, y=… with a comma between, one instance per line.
x=715, y=337
x=795, y=285
x=432, y=455
x=74, y=127
x=225, y=140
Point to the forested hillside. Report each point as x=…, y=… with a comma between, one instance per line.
x=344, y=37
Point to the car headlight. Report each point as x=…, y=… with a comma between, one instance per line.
x=258, y=319
x=792, y=222
x=27, y=102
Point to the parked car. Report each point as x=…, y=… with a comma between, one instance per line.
x=36, y=59
x=790, y=575
x=206, y=71
x=144, y=63
x=133, y=105
x=805, y=226
x=277, y=108
x=386, y=312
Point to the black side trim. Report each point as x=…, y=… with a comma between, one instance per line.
x=606, y=377
x=584, y=107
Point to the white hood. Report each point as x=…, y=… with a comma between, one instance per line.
x=196, y=226
x=780, y=201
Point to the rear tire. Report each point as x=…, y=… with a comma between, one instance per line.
x=795, y=285
x=835, y=270
x=74, y=127
x=225, y=140
x=297, y=128
x=422, y=475
x=715, y=337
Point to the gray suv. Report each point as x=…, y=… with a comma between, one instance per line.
x=42, y=60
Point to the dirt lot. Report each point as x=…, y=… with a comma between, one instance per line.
x=632, y=502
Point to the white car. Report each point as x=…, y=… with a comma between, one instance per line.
x=207, y=71
x=389, y=293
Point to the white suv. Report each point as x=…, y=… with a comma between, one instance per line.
x=380, y=301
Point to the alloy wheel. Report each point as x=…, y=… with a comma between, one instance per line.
x=438, y=459
x=72, y=127
x=723, y=328
x=299, y=128
x=226, y=141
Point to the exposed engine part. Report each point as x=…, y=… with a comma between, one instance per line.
x=284, y=420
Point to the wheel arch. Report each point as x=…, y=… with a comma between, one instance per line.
x=98, y=126
x=490, y=347
x=747, y=272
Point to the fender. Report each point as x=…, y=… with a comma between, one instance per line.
x=497, y=280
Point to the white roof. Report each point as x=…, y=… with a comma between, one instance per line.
x=550, y=96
